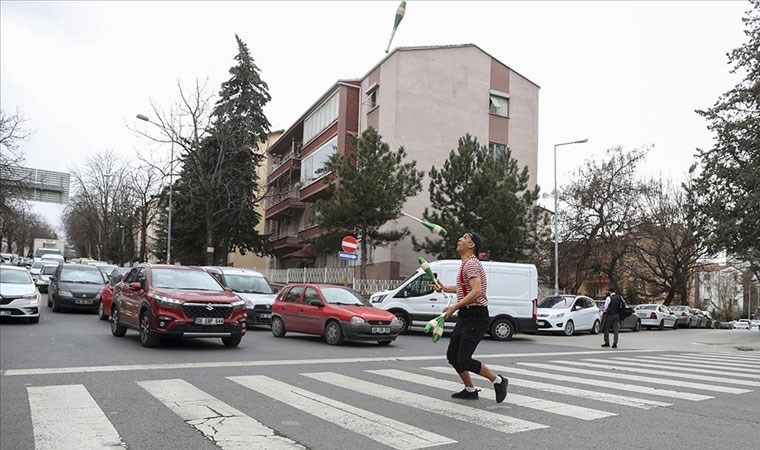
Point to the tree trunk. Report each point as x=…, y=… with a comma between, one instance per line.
x=363, y=265
x=209, y=239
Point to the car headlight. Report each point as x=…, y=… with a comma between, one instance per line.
x=559, y=316
x=249, y=304
x=166, y=301
x=395, y=322
x=238, y=304
x=377, y=299
x=357, y=320
x=65, y=294
x=33, y=299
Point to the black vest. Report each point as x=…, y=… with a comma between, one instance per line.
x=615, y=305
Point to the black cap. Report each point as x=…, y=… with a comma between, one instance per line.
x=478, y=241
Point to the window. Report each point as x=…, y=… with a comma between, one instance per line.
x=294, y=294
x=497, y=150
x=498, y=105
x=423, y=285
x=312, y=165
x=311, y=294
x=321, y=118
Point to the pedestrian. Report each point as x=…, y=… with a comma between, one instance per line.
x=611, y=317
x=473, y=320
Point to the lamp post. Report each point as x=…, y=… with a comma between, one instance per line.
x=171, y=188
x=556, y=243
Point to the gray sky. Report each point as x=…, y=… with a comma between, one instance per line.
x=617, y=73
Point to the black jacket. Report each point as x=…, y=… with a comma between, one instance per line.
x=616, y=304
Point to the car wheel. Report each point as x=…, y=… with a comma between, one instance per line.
x=595, y=328
x=333, y=333
x=403, y=318
x=148, y=337
x=502, y=330
x=56, y=307
x=637, y=327
x=117, y=329
x=675, y=325
x=101, y=314
x=278, y=327
x=384, y=343
x=569, y=328
x=662, y=324
x=232, y=341
x=34, y=319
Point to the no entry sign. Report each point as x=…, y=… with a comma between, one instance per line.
x=348, y=244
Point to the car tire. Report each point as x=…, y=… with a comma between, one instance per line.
x=117, y=329
x=384, y=343
x=662, y=325
x=596, y=327
x=56, y=308
x=675, y=325
x=688, y=324
x=637, y=327
x=278, y=327
x=406, y=322
x=34, y=319
x=101, y=314
x=569, y=329
x=502, y=330
x=232, y=341
x=148, y=337
x=333, y=333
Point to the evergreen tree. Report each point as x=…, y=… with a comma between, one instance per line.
x=727, y=188
x=477, y=190
x=374, y=183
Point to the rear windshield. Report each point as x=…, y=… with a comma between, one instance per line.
x=248, y=284
x=677, y=308
x=38, y=264
x=195, y=280
x=646, y=307
x=81, y=274
x=8, y=276
x=556, y=302
x=48, y=270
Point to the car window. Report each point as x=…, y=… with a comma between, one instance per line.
x=422, y=285
x=248, y=284
x=38, y=265
x=343, y=296
x=81, y=274
x=131, y=276
x=556, y=302
x=196, y=280
x=310, y=294
x=647, y=307
x=589, y=303
x=8, y=276
x=48, y=270
x=294, y=294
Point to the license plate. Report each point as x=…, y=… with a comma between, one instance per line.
x=540, y=322
x=265, y=316
x=209, y=320
x=5, y=313
x=381, y=330
x=84, y=302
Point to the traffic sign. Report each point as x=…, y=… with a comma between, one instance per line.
x=348, y=244
x=348, y=256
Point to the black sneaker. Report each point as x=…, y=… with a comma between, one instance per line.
x=501, y=389
x=614, y=345
x=605, y=345
x=466, y=395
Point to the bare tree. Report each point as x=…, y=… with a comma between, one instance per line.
x=12, y=134
x=145, y=191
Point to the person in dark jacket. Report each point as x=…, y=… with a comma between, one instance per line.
x=612, y=306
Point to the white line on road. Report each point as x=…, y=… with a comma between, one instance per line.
x=730, y=359
x=690, y=363
x=713, y=362
x=573, y=392
x=475, y=416
x=616, y=365
x=282, y=362
x=373, y=426
x=667, y=365
x=219, y=422
x=67, y=417
x=746, y=356
x=548, y=406
x=624, y=376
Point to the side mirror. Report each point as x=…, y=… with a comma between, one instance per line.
x=135, y=286
x=227, y=289
x=315, y=302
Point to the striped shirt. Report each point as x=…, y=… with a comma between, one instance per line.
x=472, y=268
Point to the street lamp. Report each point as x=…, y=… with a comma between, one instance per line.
x=171, y=188
x=556, y=211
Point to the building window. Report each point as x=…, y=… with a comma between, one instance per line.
x=372, y=96
x=312, y=164
x=497, y=150
x=321, y=118
x=498, y=105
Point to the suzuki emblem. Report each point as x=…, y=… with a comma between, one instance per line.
x=209, y=307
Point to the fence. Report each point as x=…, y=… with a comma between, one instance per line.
x=329, y=275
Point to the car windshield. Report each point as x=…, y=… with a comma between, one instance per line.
x=81, y=275
x=556, y=302
x=38, y=264
x=343, y=296
x=646, y=307
x=8, y=276
x=48, y=270
x=106, y=268
x=248, y=284
x=194, y=280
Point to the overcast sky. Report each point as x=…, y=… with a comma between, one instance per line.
x=617, y=73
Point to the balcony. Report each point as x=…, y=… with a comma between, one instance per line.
x=317, y=189
x=291, y=161
x=281, y=204
x=310, y=231
x=284, y=244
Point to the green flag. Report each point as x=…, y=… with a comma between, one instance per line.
x=399, y=15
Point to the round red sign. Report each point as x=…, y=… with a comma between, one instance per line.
x=348, y=244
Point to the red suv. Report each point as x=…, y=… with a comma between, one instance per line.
x=166, y=300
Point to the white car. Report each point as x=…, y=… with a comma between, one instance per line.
x=19, y=297
x=252, y=287
x=568, y=313
x=36, y=268
x=653, y=315
x=43, y=280
x=741, y=325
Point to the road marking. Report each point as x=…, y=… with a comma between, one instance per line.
x=713, y=362
x=615, y=365
x=67, y=417
x=573, y=392
x=475, y=416
x=729, y=359
x=373, y=426
x=664, y=365
x=284, y=362
x=563, y=409
x=222, y=424
x=623, y=376
x=692, y=363
x=743, y=356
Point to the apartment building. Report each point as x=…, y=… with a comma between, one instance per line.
x=421, y=98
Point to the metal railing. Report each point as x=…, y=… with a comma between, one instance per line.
x=329, y=275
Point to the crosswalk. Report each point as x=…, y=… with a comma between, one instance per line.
x=394, y=407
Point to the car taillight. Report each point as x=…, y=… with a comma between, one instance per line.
x=535, y=307
x=653, y=316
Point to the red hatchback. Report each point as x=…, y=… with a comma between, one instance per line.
x=335, y=312
x=164, y=300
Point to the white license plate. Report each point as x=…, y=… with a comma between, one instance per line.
x=540, y=322
x=5, y=313
x=265, y=316
x=83, y=302
x=209, y=320
x=381, y=330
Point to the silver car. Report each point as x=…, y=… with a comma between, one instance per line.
x=19, y=297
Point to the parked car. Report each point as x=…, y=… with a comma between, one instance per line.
x=686, y=318
x=43, y=279
x=568, y=314
x=252, y=287
x=754, y=325
x=728, y=325
x=176, y=301
x=19, y=297
x=106, y=268
x=35, y=269
x=76, y=286
x=709, y=321
x=631, y=322
x=335, y=312
x=653, y=315
x=742, y=324
x=114, y=278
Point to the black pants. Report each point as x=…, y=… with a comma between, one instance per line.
x=471, y=325
x=612, y=323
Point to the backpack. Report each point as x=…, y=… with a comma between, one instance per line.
x=625, y=311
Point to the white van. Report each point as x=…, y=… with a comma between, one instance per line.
x=512, y=297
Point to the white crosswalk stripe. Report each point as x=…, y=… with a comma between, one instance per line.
x=548, y=406
x=374, y=426
x=623, y=376
x=224, y=425
x=711, y=361
x=748, y=356
x=666, y=365
x=728, y=359
x=67, y=417
x=689, y=363
x=495, y=421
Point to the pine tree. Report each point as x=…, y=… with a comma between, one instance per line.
x=477, y=190
x=374, y=183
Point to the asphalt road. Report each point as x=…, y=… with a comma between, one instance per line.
x=67, y=383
